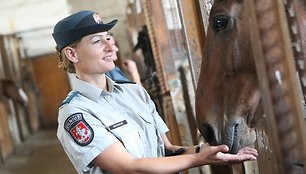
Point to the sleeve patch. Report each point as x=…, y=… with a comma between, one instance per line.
x=79, y=129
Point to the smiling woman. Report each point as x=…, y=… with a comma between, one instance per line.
x=109, y=127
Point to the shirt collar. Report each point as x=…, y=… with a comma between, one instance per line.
x=113, y=86
x=91, y=91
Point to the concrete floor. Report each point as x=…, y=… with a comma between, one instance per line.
x=41, y=153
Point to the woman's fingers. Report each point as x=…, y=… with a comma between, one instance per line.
x=248, y=150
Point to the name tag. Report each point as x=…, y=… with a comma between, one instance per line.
x=119, y=124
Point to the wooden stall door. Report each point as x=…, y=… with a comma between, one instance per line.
x=53, y=84
x=6, y=140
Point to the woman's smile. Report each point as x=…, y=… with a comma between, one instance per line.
x=108, y=57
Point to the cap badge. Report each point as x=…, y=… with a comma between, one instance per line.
x=97, y=18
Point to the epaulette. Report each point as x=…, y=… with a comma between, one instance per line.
x=69, y=98
x=124, y=81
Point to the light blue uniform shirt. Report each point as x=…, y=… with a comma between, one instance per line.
x=90, y=120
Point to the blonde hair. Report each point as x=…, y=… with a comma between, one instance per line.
x=64, y=62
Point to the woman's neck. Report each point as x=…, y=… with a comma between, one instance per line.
x=97, y=80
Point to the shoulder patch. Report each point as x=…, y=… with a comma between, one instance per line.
x=69, y=98
x=79, y=129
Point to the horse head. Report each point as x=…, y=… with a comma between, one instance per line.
x=228, y=99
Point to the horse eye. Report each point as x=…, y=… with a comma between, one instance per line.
x=221, y=22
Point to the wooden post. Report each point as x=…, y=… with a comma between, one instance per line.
x=194, y=35
x=5, y=59
x=157, y=29
x=277, y=78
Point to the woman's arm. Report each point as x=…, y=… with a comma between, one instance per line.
x=117, y=160
x=215, y=154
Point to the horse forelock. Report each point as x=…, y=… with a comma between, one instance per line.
x=228, y=6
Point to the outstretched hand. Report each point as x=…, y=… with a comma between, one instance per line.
x=219, y=154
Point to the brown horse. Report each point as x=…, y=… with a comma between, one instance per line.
x=228, y=99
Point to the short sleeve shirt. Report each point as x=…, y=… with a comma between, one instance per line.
x=90, y=120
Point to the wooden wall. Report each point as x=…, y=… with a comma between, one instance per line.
x=31, y=90
x=53, y=84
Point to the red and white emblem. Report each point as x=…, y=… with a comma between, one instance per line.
x=97, y=18
x=79, y=129
x=81, y=133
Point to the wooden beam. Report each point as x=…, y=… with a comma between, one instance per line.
x=5, y=58
x=194, y=35
x=166, y=71
x=277, y=78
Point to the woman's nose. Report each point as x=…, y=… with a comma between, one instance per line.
x=108, y=46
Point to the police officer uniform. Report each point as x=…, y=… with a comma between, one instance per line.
x=91, y=119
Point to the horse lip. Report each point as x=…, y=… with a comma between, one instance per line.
x=231, y=138
x=234, y=148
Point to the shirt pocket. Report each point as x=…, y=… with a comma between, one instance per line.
x=148, y=119
x=148, y=125
x=154, y=139
x=131, y=139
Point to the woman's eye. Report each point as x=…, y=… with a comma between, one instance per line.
x=221, y=22
x=96, y=41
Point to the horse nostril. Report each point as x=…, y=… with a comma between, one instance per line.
x=208, y=133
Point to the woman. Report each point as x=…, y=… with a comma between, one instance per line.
x=106, y=127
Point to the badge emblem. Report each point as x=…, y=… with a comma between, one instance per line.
x=79, y=129
x=97, y=18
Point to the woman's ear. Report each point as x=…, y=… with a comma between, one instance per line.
x=71, y=54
